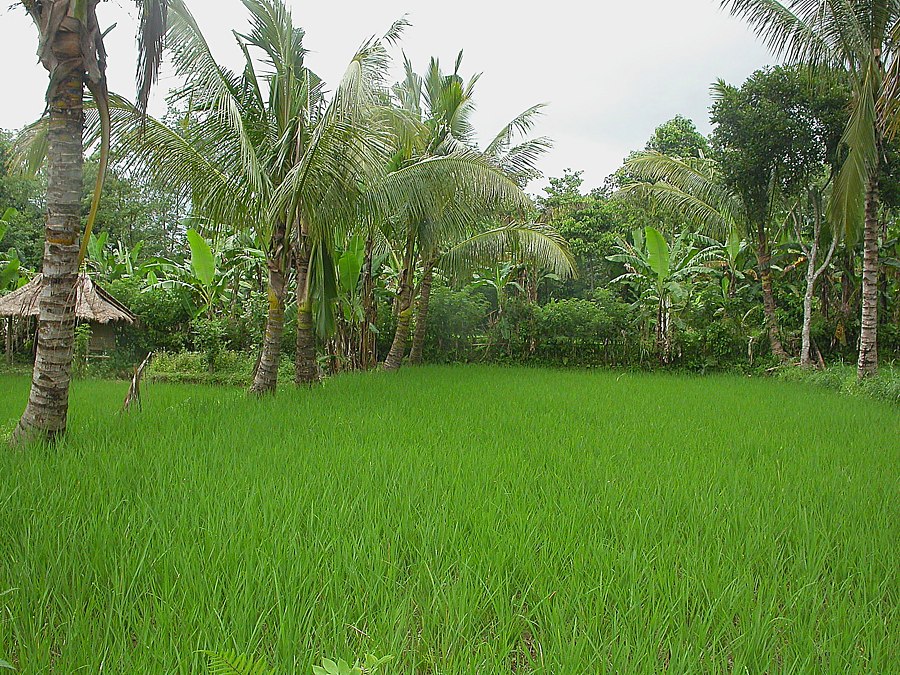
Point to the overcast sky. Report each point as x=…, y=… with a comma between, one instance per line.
x=611, y=71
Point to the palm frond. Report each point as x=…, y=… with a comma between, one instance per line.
x=690, y=186
x=30, y=147
x=799, y=31
x=213, y=89
x=441, y=197
x=518, y=127
x=845, y=208
x=151, y=37
x=532, y=243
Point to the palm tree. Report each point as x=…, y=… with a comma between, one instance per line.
x=517, y=156
x=267, y=151
x=860, y=37
x=448, y=196
x=442, y=106
x=71, y=49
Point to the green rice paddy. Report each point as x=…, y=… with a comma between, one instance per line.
x=462, y=520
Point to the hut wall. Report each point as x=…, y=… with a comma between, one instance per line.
x=103, y=337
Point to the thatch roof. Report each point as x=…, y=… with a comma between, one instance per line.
x=93, y=304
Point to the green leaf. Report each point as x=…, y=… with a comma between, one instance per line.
x=203, y=262
x=350, y=264
x=733, y=246
x=657, y=253
x=328, y=667
x=6, y=665
x=9, y=273
x=232, y=663
x=637, y=236
x=6, y=220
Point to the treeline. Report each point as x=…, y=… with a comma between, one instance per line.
x=659, y=283
x=368, y=227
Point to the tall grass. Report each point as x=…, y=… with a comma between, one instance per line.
x=472, y=520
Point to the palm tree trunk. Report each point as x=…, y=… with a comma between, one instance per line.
x=266, y=379
x=868, y=335
x=418, y=344
x=394, y=358
x=764, y=260
x=48, y=403
x=306, y=370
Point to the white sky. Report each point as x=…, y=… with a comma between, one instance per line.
x=611, y=70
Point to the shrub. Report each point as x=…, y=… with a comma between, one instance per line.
x=210, y=338
x=162, y=323
x=885, y=386
x=455, y=319
x=231, y=368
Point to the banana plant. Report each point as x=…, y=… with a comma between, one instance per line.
x=501, y=277
x=350, y=263
x=200, y=277
x=118, y=262
x=663, y=275
x=12, y=275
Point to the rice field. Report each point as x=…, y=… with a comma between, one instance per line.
x=461, y=520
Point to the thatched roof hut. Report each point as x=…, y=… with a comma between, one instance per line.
x=92, y=304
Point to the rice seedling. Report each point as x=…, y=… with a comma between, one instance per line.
x=461, y=520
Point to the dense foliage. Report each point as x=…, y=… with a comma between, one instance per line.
x=666, y=277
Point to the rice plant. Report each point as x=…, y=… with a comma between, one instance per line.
x=463, y=520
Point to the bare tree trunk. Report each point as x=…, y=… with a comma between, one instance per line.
x=48, y=403
x=367, y=354
x=806, y=342
x=394, y=359
x=764, y=260
x=9, y=341
x=418, y=344
x=306, y=370
x=868, y=334
x=812, y=276
x=266, y=379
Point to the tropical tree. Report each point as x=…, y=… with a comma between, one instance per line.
x=516, y=155
x=664, y=274
x=442, y=105
x=695, y=187
x=808, y=216
x=774, y=137
x=519, y=245
x=859, y=36
x=265, y=151
x=70, y=47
